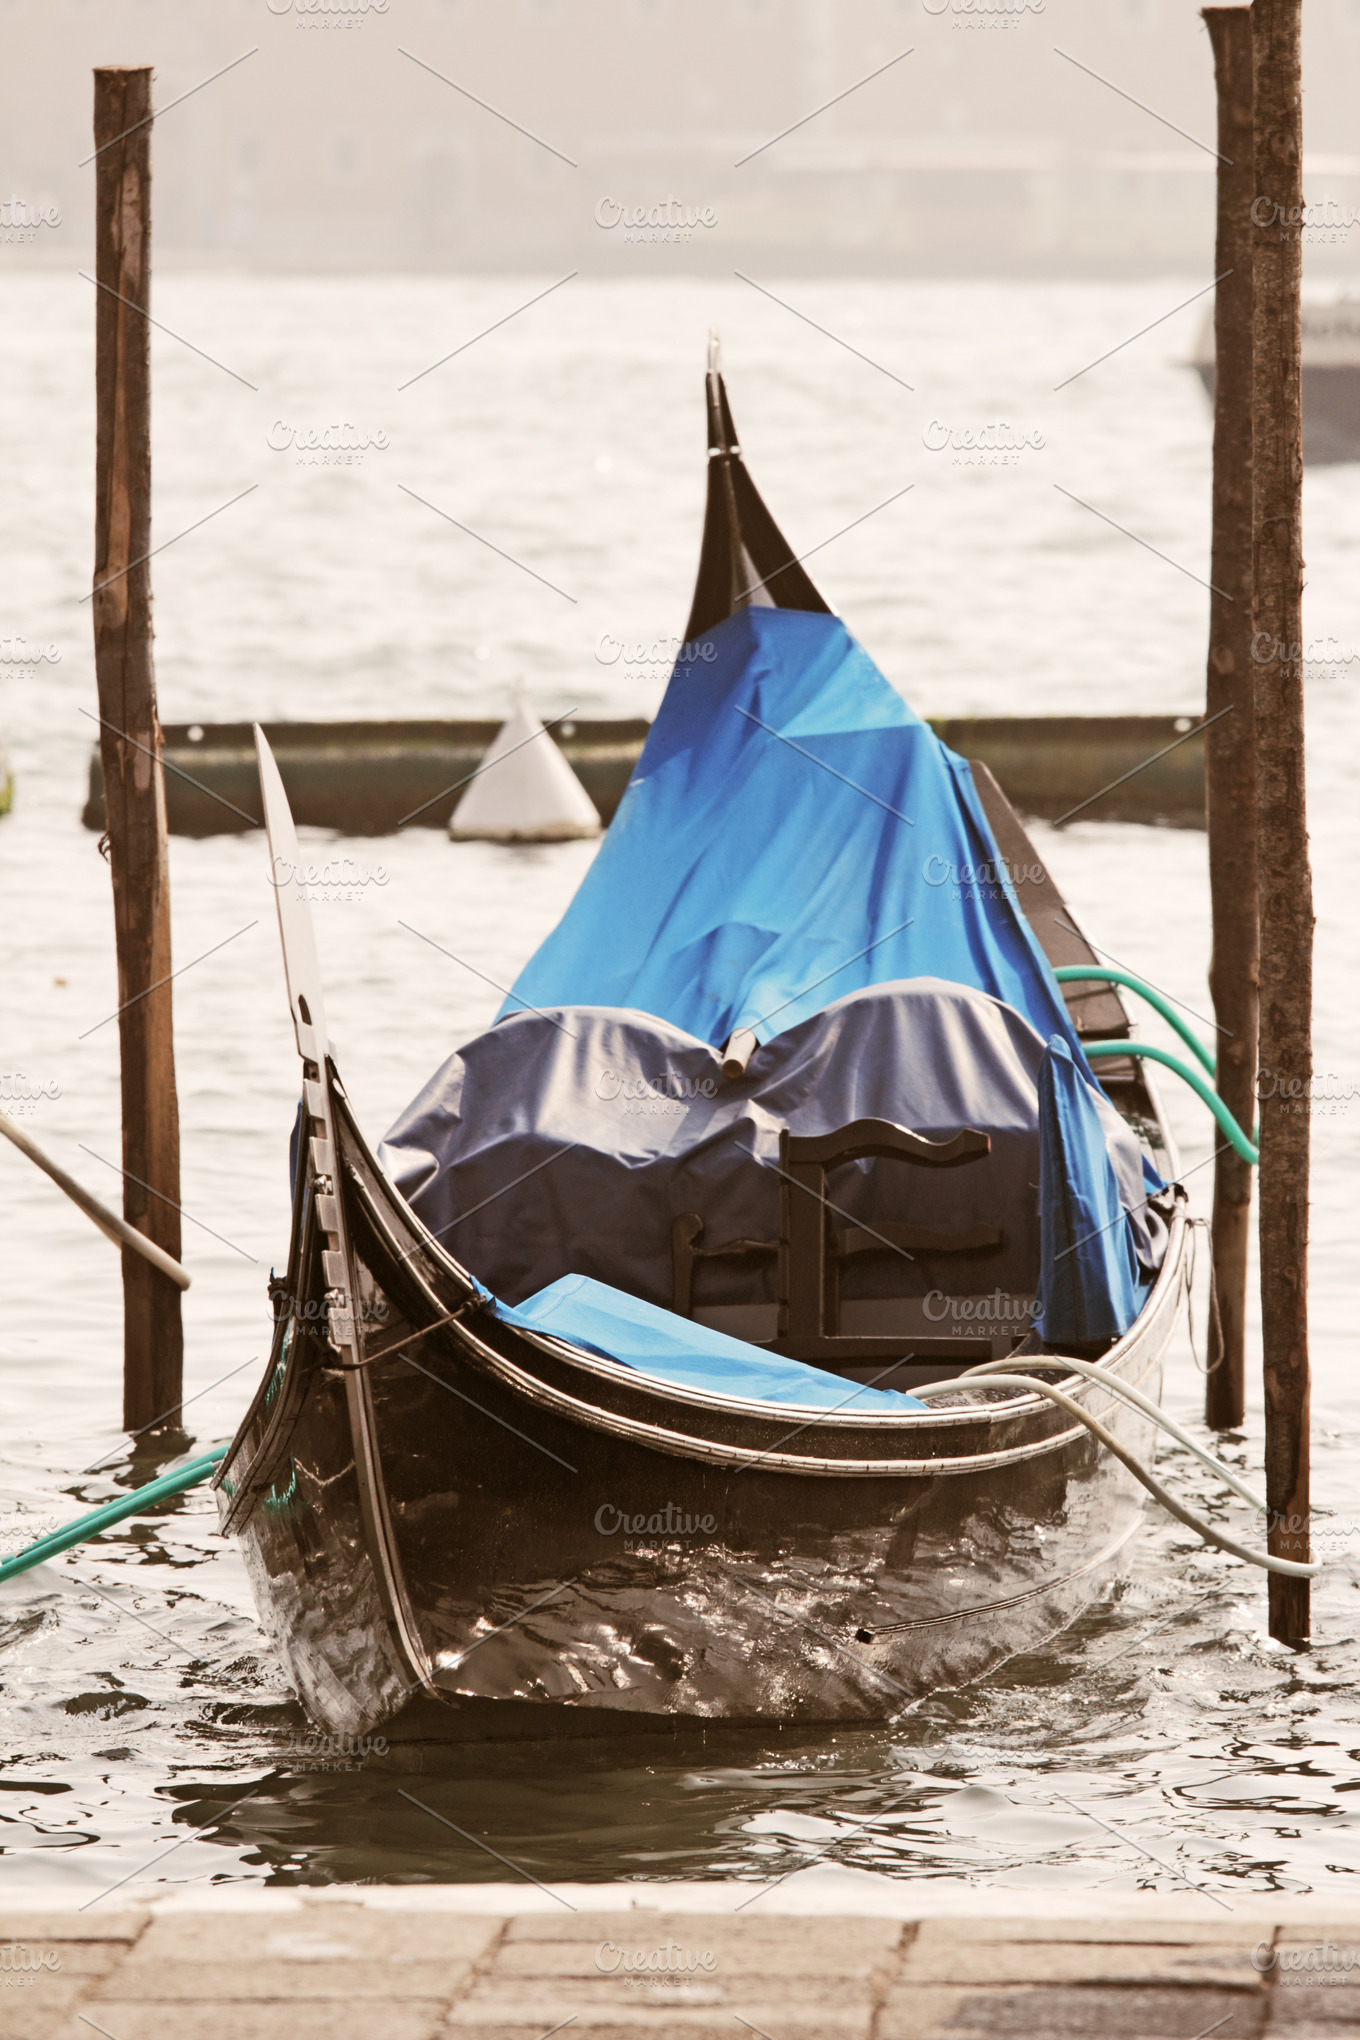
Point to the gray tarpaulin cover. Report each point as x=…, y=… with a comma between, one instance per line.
x=567, y=1142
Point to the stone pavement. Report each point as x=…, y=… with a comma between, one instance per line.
x=444, y=1964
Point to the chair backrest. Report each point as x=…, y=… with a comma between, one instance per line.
x=808, y=1290
x=810, y=1247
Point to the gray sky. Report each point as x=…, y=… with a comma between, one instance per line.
x=984, y=151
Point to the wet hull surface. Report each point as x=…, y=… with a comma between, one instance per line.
x=474, y=1519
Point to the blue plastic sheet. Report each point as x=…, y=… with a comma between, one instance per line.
x=793, y=838
x=792, y=832
x=1089, y=1287
x=623, y=1328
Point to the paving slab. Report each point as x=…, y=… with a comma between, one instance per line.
x=71, y=1926
x=658, y=2025
x=322, y=1956
x=681, y=1963
x=37, y=2011
x=970, y=1958
x=49, y=1962
x=1155, y=1928
x=235, y=2019
x=510, y=2021
x=679, y=1944
x=831, y=2003
x=1303, y=2010
x=1074, y=2012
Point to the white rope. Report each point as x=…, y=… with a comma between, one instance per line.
x=1227, y=1474
x=1293, y=1568
x=1214, y=1329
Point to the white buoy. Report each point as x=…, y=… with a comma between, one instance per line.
x=524, y=790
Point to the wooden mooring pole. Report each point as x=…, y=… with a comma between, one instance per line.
x=1282, y=834
x=1230, y=739
x=130, y=737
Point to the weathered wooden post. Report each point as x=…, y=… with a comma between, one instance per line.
x=1230, y=739
x=1282, y=836
x=130, y=737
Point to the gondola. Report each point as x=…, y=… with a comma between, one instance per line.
x=685, y=1477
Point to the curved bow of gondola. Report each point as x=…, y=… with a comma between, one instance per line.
x=745, y=557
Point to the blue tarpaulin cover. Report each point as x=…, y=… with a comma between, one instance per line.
x=619, y=1327
x=799, y=854
x=1089, y=1286
x=792, y=832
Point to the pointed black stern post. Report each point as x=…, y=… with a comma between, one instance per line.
x=745, y=557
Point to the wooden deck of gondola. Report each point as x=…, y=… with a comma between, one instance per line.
x=471, y=1962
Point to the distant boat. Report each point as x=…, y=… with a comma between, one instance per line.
x=1331, y=378
x=590, y=1402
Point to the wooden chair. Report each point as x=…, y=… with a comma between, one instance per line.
x=811, y=1248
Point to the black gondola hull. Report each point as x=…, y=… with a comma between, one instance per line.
x=478, y=1516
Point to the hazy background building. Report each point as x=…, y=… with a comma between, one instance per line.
x=985, y=151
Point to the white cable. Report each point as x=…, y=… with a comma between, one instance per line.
x=1140, y=1401
x=1292, y=1567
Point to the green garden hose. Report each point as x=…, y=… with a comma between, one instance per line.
x=1073, y=973
x=133, y=1504
x=1234, y=1133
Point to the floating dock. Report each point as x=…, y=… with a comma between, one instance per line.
x=413, y=1963
x=373, y=778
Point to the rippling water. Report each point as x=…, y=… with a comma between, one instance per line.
x=137, y=1700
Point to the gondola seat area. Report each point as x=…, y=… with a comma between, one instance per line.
x=866, y=1191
